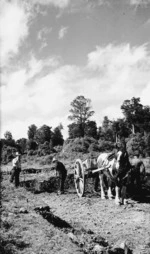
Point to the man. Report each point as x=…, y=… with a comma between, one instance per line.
x=16, y=162
x=61, y=172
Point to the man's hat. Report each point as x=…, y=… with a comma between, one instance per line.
x=17, y=154
x=54, y=159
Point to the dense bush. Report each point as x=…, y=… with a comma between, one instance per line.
x=32, y=152
x=105, y=145
x=7, y=153
x=136, y=145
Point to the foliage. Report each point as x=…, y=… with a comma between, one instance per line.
x=105, y=145
x=120, y=128
x=80, y=112
x=137, y=116
x=136, y=145
x=31, y=144
x=22, y=145
x=57, y=137
x=32, y=152
x=8, y=135
x=81, y=145
x=43, y=134
x=44, y=149
x=7, y=154
x=147, y=144
x=32, y=131
x=75, y=130
x=91, y=129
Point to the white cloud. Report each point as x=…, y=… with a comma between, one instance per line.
x=139, y=2
x=43, y=32
x=13, y=30
x=56, y=3
x=145, y=95
x=124, y=73
x=35, y=66
x=112, y=75
x=62, y=32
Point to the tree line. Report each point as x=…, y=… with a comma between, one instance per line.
x=134, y=127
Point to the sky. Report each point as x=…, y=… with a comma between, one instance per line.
x=52, y=51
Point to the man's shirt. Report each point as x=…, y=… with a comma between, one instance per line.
x=60, y=168
x=16, y=162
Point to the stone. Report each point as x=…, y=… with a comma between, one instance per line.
x=98, y=249
x=73, y=237
x=23, y=210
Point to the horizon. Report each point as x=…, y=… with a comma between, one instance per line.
x=54, y=50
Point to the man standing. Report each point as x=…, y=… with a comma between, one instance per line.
x=61, y=172
x=16, y=162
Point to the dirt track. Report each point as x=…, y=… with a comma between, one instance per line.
x=131, y=222
x=88, y=214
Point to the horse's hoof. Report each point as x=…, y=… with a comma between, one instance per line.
x=117, y=202
x=125, y=202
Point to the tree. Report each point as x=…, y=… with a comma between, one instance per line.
x=81, y=112
x=21, y=144
x=106, y=124
x=32, y=131
x=74, y=130
x=8, y=135
x=120, y=129
x=136, y=145
x=91, y=129
x=134, y=111
x=31, y=144
x=43, y=134
x=57, y=137
x=9, y=141
x=147, y=144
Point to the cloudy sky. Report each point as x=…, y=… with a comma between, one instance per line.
x=54, y=50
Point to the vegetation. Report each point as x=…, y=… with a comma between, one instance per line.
x=84, y=135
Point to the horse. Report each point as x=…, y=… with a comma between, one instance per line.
x=118, y=172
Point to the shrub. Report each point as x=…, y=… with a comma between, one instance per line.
x=136, y=145
x=105, y=145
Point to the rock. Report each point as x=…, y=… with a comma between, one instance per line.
x=122, y=246
x=23, y=210
x=98, y=249
x=73, y=237
x=100, y=240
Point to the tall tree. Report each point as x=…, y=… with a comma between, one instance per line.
x=21, y=144
x=91, y=129
x=57, y=137
x=8, y=135
x=106, y=124
x=32, y=131
x=136, y=115
x=9, y=141
x=81, y=112
x=43, y=134
x=132, y=110
x=74, y=130
x=120, y=129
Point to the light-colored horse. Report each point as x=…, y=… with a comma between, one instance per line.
x=111, y=165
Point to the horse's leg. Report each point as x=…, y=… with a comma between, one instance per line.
x=103, y=196
x=110, y=195
x=124, y=195
x=117, y=197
